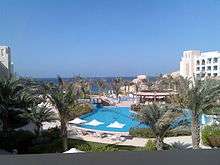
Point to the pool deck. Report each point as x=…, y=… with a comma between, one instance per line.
x=138, y=142
x=74, y=127
x=125, y=103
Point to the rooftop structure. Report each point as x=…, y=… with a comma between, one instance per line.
x=173, y=74
x=139, y=79
x=153, y=95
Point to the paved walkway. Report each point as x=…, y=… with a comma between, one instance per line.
x=137, y=142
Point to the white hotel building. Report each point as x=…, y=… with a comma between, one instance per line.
x=200, y=64
x=6, y=66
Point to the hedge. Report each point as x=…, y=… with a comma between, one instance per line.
x=20, y=140
x=148, y=133
x=211, y=135
x=56, y=146
x=150, y=145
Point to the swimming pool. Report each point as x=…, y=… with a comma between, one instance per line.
x=124, y=116
x=109, y=115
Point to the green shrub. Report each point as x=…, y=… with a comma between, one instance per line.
x=136, y=107
x=52, y=147
x=180, y=146
x=148, y=133
x=110, y=148
x=209, y=133
x=53, y=133
x=15, y=120
x=141, y=132
x=150, y=145
x=179, y=131
x=84, y=147
x=20, y=140
x=213, y=111
x=80, y=109
x=103, y=148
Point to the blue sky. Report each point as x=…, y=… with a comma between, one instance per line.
x=106, y=37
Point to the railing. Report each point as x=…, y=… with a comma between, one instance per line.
x=4, y=70
x=174, y=157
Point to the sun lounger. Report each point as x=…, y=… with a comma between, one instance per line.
x=127, y=137
x=117, y=138
x=122, y=139
x=99, y=135
x=81, y=132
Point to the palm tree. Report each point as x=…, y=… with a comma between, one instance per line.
x=167, y=82
x=13, y=96
x=199, y=97
x=64, y=98
x=101, y=85
x=159, y=118
x=82, y=86
x=39, y=114
x=116, y=86
x=126, y=84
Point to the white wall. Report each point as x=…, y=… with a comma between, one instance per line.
x=187, y=63
x=5, y=61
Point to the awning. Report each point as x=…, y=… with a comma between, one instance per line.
x=116, y=125
x=77, y=121
x=73, y=150
x=94, y=123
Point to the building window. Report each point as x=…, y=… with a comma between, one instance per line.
x=198, y=62
x=209, y=74
x=197, y=75
x=203, y=75
x=215, y=68
x=198, y=68
x=203, y=68
x=209, y=61
x=209, y=68
x=203, y=62
x=215, y=74
x=215, y=60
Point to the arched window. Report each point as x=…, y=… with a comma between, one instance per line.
x=198, y=62
x=203, y=62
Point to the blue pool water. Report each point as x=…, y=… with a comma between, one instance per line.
x=125, y=115
x=108, y=115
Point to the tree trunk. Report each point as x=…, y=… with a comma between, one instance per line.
x=5, y=121
x=37, y=130
x=159, y=143
x=169, y=86
x=64, y=135
x=119, y=99
x=195, y=130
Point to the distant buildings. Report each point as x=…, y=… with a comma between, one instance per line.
x=173, y=74
x=140, y=79
x=200, y=64
x=6, y=66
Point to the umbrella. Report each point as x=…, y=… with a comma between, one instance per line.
x=73, y=150
x=94, y=123
x=116, y=125
x=204, y=119
x=77, y=121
